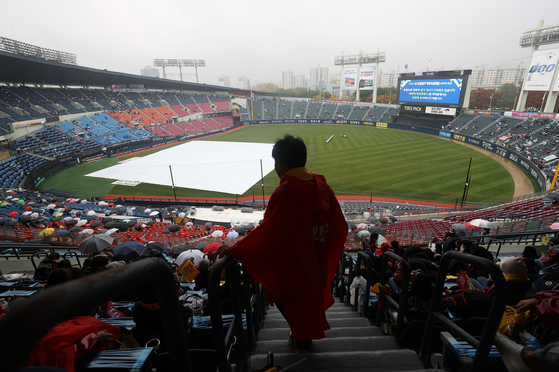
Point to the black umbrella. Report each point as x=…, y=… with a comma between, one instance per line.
x=11, y=223
x=120, y=210
x=208, y=224
x=25, y=219
x=75, y=229
x=249, y=228
x=109, y=224
x=165, y=232
x=241, y=230
x=174, y=228
x=156, y=249
x=129, y=250
x=553, y=196
x=121, y=226
x=383, y=220
x=372, y=219
x=377, y=229
x=131, y=223
x=181, y=248
x=78, y=213
x=150, y=223
x=71, y=222
x=392, y=218
x=95, y=224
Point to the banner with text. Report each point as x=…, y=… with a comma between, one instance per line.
x=542, y=68
x=349, y=78
x=366, y=77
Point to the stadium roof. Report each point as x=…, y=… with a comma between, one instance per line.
x=22, y=69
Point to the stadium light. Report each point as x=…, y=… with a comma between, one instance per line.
x=28, y=50
x=359, y=59
x=540, y=36
x=180, y=63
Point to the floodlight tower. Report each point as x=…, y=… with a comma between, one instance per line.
x=360, y=59
x=543, y=65
x=180, y=63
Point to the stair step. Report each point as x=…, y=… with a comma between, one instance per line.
x=333, y=309
x=385, y=360
x=330, y=345
x=329, y=315
x=282, y=333
x=344, y=322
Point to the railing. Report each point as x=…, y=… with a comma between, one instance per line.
x=365, y=259
x=399, y=307
x=498, y=305
x=224, y=342
x=23, y=327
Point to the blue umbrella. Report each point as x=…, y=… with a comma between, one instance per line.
x=61, y=232
x=129, y=250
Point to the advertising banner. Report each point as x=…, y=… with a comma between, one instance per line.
x=542, y=68
x=349, y=78
x=366, y=77
x=414, y=109
x=440, y=110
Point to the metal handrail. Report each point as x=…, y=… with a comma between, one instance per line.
x=369, y=265
x=483, y=346
x=224, y=342
x=33, y=318
x=401, y=305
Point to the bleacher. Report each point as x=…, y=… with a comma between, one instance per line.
x=285, y=109
x=328, y=110
x=343, y=110
x=204, y=104
x=188, y=105
x=358, y=112
x=221, y=103
x=57, y=98
x=256, y=110
x=270, y=109
x=313, y=110
x=390, y=114
x=154, y=115
x=375, y=113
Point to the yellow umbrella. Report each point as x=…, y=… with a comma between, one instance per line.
x=46, y=232
x=59, y=214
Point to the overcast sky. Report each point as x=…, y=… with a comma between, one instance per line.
x=262, y=38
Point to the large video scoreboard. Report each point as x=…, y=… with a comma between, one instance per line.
x=434, y=92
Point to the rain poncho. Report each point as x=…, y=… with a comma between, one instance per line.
x=295, y=252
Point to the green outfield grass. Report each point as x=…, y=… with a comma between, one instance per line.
x=387, y=163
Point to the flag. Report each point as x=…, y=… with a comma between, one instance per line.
x=463, y=281
x=188, y=270
x=406, y=66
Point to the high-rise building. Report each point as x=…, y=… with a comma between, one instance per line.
x=388, y=80
x=243, y=82
x=300, y=81
x=223, y=81
x=318, y=74
x=287, y=81
x=492, y=78
x=150, y=71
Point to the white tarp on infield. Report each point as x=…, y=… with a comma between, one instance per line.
x=230, y=167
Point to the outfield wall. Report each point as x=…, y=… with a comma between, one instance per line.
x=523, y=162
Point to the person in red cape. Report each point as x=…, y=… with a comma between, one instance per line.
x=295, y=252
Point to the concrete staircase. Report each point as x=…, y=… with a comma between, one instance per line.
x=351, y=345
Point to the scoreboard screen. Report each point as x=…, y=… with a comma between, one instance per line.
x=436, y=91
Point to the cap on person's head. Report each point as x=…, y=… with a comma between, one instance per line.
x=513, y=265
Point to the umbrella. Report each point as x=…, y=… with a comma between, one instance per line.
x=460, y=227
x=24, y=219
x=351, y=225
x=232, y=235
x=11, y=223
x=46, y=232
x=129, y=250
x=95, y=224
x=174, y=228
x=241, y=231
x=383, y=220
x=553, y=196
x=75, y=229
x=105, y=220
x=165, y=232
x=361, y=235
x=217, y=234
x=147, y=210
x=95, y=243
x=51, y=206
x=202, y=245
x=156, y=249
x=182, y=248
x=91, y=213
x=35, y=215
x=208, y=224
x=61, y=232
x=110, y=231
x=150, y=223
x=103, y=203
x=377, y=229
x=193, y=254
x=211, y=248
x=13, y=214
x=139, y=226
x=372, y=219
x=392, y=218
x=110, y=224
x=481, y=223
x=154, y=213
x=554, y=226
x=81, y=222
x=26, y=213
x=71, y=222
x=87, y=232
x=20, y=202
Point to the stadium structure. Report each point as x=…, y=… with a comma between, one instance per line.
x=55, y=114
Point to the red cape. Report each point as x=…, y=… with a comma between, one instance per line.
x=295, y=252
x=57, y=348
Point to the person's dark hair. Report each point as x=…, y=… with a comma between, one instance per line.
x=530, y=252
x=77, y=273
x=99, y=261
x=58, y=276
x=412, y=250
x=65, y=264
x=290, y=151
x=395, y=245
x=86, y=263
x=439, y=247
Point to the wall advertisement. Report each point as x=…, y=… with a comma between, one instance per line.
x=542, y=68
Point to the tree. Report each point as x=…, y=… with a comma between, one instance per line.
x=535, y=99
x=481, y=98
x=509, y=92
x=268, y=87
